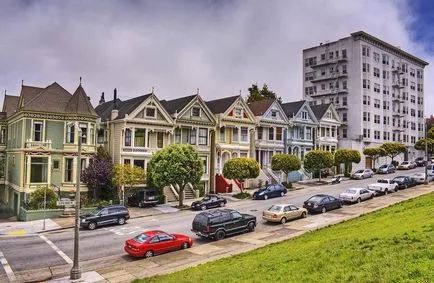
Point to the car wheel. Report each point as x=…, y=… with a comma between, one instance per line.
x=283, y=220
x=185, y=246
x=265, y=197
x=405, y=186
x=282, y=194
x=222, y=204
x=203, y=207
x=359, y=200
x=396, y=189
x=303, y=215
x=149, y=254
x=324, y=209
x=121, y=221
x=140, y=204
x=386, y=192
x=220, y=235
x=92, y=226
x=251, y=226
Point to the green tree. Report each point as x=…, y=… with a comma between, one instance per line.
x=420, y=145
x=241, y=168
x=177, y=165
x=430, y=133
x=393, y=149
x=347, y=157
x=35, y=200
x=317, y=160
x=256, y=94
x=286, y=163
x=374, y=153
x=127, y=176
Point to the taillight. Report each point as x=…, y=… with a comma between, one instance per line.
x=207, y=228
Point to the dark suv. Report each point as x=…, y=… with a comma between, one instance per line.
x=221, y=222
x=144, y=197
x=104, y=216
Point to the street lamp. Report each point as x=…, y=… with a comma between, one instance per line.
x=75, y=270
x=426, y=155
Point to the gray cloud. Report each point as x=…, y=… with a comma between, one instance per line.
x=220, y=47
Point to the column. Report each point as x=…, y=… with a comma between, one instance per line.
x=146, y=138
x=28, y=158
x=252, y=143
x=212, y=162
x=304, y=133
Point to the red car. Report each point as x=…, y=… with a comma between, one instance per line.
x=151, y=243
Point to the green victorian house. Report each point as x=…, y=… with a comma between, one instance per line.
x=42, y=143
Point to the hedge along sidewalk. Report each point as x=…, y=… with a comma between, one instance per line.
x=199, y=255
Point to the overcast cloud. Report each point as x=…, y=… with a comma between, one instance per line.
x=221, y=47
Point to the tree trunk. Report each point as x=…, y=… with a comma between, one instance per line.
x=181, y=195
x=320, y=174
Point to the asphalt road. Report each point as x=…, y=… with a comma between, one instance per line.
x=56, y=248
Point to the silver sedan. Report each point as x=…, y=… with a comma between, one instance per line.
x=354, y=195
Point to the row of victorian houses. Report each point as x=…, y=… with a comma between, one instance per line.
x=39, y=144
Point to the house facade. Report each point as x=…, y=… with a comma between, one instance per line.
x=328, y=127
x=42, y=143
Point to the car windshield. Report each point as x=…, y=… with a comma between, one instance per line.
x=315, y=199
x=360, y=171
x=150, y=193
x=206, y=198
x=404, y=163
x=382, y=181
x=383, y=166
x=141, y=238
x=351, y=191
x=399, y=179
x=275, y=208
x=96, y=211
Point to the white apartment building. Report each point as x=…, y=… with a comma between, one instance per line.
x=377, y=89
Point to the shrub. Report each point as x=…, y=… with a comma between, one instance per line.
x=36, y=199
x=287, y=185
x=242, y=195
x=346, y=174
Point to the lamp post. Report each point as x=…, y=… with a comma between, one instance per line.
x=426, y=155
x=75, y=270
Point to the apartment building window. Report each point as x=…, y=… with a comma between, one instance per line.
x=309, y=76
x=310, y=61
x=337, y=53
x=376, y=72
x=244, y=134
x=344, y=133
x=331, y=55
x=337, y=84
x=419, y=74
x=365, y=68
x=413, y=99
x=337, y=100
x=366, y=116
x=413, y=112
x=404, y=67
x=68, y=174
x=139, y=137
x=365, y=51
x=366, y=100
x=376, y=135
x=413, y=139
x=344, y=53
x=344, y=101
x=367, y=133
x=386, y=75
x=385, y=89
x=404, y=138
x=344, y=116
x=376, y=57
x=404, y=82
x=222, y=134
x=377, y=119
x=377, y=88
x=177, y=135
x=38, y=131
x=331, y=100
x=420, y=100
x=83, y=128
x=270, y=134
x=412, y=73
x=331, y=85
x=344, y=84
x=70, y=131
x=127, y=139
x=377, y=103
x=203, y=136
x=413, y=126
x=260, y=131
x=195, y=112
x=323, y=57
x=385, y=59
x=193, y=133
x=323, y=86
x=235, y=134
x=413, y=85
x=419, y=87
x=323, y=72
x=386, y=105
x=279, y=134
x=366, y=84
x=344, y=69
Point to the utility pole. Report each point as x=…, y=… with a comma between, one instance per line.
x=75, y=270
x=426, y=154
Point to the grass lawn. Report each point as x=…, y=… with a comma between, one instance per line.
x=391, y=245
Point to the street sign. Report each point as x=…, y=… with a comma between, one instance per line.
x=66, y=202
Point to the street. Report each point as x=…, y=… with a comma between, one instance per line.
x=56, y=248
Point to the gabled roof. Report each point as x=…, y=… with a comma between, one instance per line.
x=79, y=103
x=292, y=108
x=10, y=104
x=130, y=105
x=176, y=105
x=219, y=106
x=104, y=110
x=319, y=110
x=261, y=106
x=28, y=93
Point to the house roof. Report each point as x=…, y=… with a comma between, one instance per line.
x=292, y=108
x=28, y=93
x=104, y=110
x=320, y=109
x=10, y=104
x=124, y=107
x=79, y=103
x=261, y=106
x=176, y=105
x=221, y=105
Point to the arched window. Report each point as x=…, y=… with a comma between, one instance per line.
x=127, y=137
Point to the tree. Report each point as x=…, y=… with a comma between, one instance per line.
x=286, y=163
x=241, y=168
x=98, y=176
x=317, y=160
x=36, y=199
x=374, y=153
x=420, y=145
x=393, y=149
x=256, y=94
x=430, y=133
x=347, y=157
x=127, y=175
x=177, y=165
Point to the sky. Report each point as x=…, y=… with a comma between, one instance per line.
x=220, y=47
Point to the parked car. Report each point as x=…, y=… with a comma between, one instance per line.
x=150, y=243
x=283, y=212
x=354, y=195
x=209, y=201
x=383, y=186
x=386, y=169
x=325, y=172
x=270, y=191
x=104, y=216
x=217, y=224
x=430, y=169
x=322, y=203
x=144, y=197
x=406, y=165
x=404, y=182
x=362, y=174
x=420, y=161
x=420, y=177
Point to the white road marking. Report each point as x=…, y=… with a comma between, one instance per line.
x=56, y=249
x=7, y=268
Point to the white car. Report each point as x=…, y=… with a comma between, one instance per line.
x=362, y=174
x=420, y=177
x=356, y=195
x=383, y=186
x=406, y=165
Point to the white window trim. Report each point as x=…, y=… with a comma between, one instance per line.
x=200, y=111
x=145, y=112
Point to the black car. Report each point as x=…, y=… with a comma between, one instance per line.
x=270, y=191
x=104, y=216
x=209, y=201
x=420, y=161
x=217, y=224
x=144, y=197
x=404, y=182
x=322, y=203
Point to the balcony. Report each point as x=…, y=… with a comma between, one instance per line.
x=341, y=106
x=397, y=98
x=333, y=76
x=334, y=60
x=38, y=144
x=398, y=70
x=133, y=149
x=397, y=114
x=330, y=91
x=397, y=84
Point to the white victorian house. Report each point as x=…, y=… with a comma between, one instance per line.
x=329, y=123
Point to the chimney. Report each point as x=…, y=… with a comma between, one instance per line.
x=115, y=110
x=102, y=100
